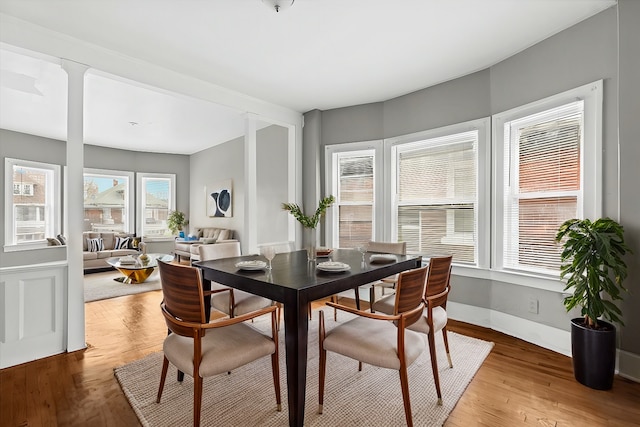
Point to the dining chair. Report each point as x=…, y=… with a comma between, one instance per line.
x=399, y=248
x=434, y=318
x=380, y=339
x=223, y=298
x=203, y=349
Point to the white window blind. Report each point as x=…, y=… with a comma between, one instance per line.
x=355, y=197
x=542, y=179
x=436, y=187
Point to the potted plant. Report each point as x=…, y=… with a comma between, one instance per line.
x=176, y=221
x=594, y=270
x=310, y=222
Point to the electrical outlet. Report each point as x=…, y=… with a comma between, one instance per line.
x=533, y=305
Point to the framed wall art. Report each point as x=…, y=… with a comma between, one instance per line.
x=219, y=199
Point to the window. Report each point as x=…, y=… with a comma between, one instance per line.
x=32, y=208
x=547, y=158
x=354, y=188
x=156, y=197
x=436, y=195
x=108, y=199
x=354, y=177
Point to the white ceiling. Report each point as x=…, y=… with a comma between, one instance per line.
x=317, y=54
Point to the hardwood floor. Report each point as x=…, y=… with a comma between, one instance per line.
x=519, y=383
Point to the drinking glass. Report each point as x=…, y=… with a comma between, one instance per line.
x=362, y=248
x=269, y=253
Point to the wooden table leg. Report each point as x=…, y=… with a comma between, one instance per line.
x=296, y=322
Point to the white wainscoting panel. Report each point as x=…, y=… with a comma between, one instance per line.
x=32, y=323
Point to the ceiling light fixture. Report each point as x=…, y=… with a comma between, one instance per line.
x=278, y=5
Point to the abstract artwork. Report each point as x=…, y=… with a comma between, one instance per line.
x=219, y=199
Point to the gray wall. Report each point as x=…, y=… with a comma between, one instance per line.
x=226, y=161
x=629, y=115
x=574, y=57
x=30, y=147
x=27, y=147
x=207, y=167
x=272, y=176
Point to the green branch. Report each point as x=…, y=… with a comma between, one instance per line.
x=305, y=220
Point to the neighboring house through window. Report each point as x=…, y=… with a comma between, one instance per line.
x=108, y=200
x=32, y=208
x=156, y=198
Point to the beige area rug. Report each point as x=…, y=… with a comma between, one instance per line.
x=246, y=397
x=98, y=286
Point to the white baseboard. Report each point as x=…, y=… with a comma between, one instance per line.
x=558, y=340
x=629, y=365
x=545, y=336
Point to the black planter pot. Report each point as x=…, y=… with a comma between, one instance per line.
x=594, y=354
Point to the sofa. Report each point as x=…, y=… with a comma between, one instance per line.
x=95, y=255
x=188, y=249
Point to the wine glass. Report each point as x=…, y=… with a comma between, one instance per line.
x=269, y=253
x=362, y=248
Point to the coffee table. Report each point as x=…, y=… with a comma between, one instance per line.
x=140, y=270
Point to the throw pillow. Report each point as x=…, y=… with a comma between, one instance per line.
x=95, y=245
x=122, y=242
x=134, y=242
x=52, y=241
x=62, y=239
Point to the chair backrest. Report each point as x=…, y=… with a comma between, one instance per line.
x=219, y=250
x=280, y=247
x=183, y=296
x=388, y=247
x=409, y=292
x=438, y=279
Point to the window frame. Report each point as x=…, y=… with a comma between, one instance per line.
x=331, y=184
x=141, y=199
x=52, y=196
x=130, y=206
x=483, y=180
x=590, y=163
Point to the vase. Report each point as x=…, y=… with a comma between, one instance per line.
x=310, y=243
x=181, y=234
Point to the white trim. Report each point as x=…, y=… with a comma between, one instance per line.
x=331, y=184
x=551, y=338
x=591, y=151
x=130, y=209
x=483, y=178
x=628, y=365
x=53, y=204
x=141, y=197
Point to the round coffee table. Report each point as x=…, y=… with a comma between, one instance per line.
x=139, y=271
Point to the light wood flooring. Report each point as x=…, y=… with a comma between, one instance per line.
x=519, y=383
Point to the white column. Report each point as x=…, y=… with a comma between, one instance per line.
x=73, y=205
x=250, y=232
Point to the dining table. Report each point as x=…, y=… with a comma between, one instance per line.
x=295, y=281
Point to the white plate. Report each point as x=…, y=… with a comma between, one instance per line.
x=382, y=258
x=251, y=265
x=333, y=266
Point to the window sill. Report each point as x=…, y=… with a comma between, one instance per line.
x=531, y=280
x=29, y=247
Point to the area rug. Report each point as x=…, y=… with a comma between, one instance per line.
x=99, y=286
x=246, y=397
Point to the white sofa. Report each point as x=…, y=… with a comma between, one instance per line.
x=205, y=236
x=97, y=260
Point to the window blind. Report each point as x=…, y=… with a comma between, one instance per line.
x=437, y=196
x=543, y=185
x=355, y=198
